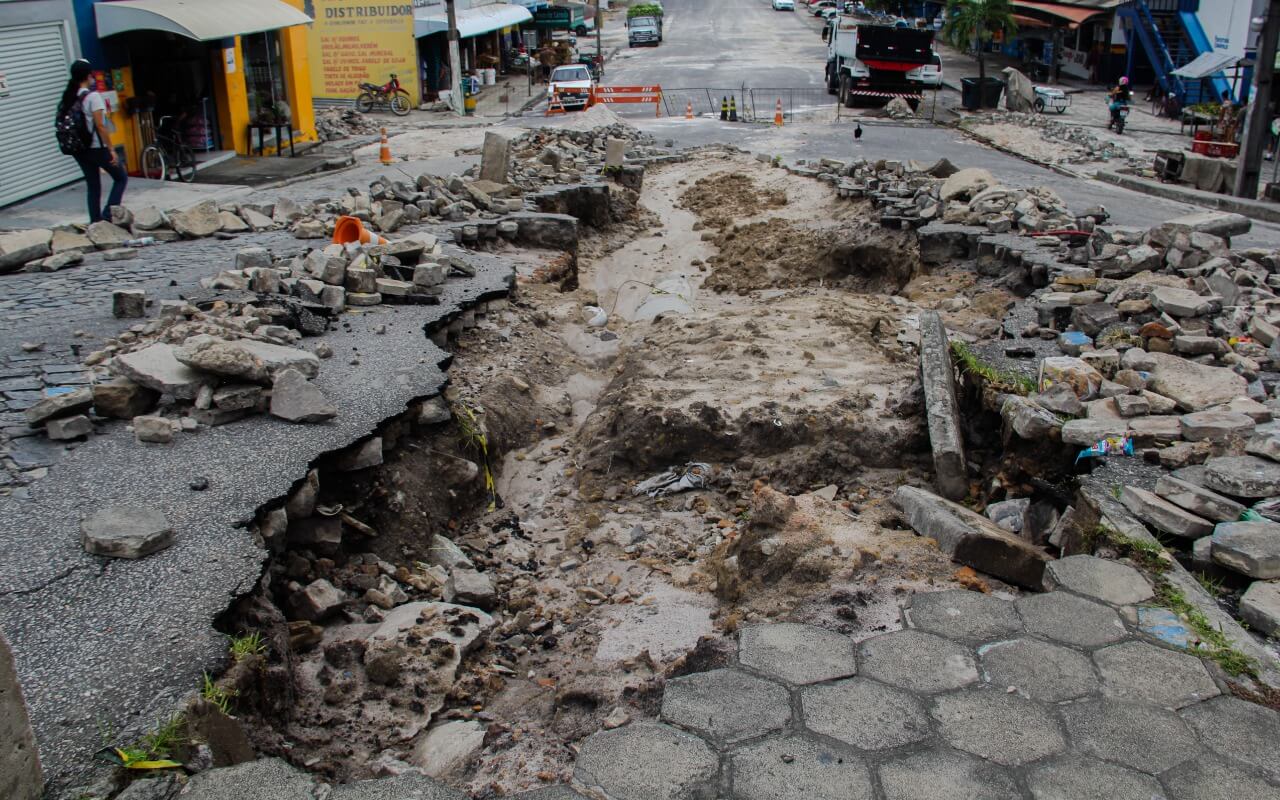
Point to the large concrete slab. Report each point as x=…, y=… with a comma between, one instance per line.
x=918, y=662
x=972, y=539
x=726, y=705
x=998, y=726
x=1071, y=620
x=865, y=713
x=796, y=654
x=945, y=434
x=961, y=614
x=1143, y=737
x=1239, y=730
x=798, y=768
x=1075, y=777
x=946, y=775
x=1037, y=670
x=1143, y=672
x=646, y=761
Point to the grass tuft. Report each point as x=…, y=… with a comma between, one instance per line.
x=220, y=696
x=250, y=644
x=971, y=364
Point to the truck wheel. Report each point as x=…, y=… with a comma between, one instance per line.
x=846, y=89
x=829, y=79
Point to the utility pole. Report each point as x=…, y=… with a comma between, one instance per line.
x=455, y=62
x=599, y=38
x=1257, y=124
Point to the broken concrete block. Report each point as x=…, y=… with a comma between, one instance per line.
x=495, y=157
x=1215, y=426
x=129, y=304
x=1198, y=500
x=106, y=236
x=471, y=588
x=125, y=532
x=1249, y=477
x=1082, y=378
x=1250, y=548
x=1260, y=607
x=449, y=748
x=155, y=367
x=121, y=398
x=1163, y=515
x=360, y=456
x=65, y=404
x=320, y=599
x=971, y=539
x=296, y=399
x=1194, y=386
x=198, y=221
x=153, y=430
x=244, y=358
x=945, y=434
x=1027, y=419
x=68, y=428
x=19, y=247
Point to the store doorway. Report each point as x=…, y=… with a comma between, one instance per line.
x=174, y=92
x=264, y=83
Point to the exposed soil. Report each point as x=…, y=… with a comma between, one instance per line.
x=784, y=371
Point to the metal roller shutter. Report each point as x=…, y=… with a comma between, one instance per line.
x=35, y=60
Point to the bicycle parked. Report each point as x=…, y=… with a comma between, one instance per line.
x=168, y=155
x=390, y=94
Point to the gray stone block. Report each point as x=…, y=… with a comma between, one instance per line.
x=266, y=779
x=1108, y=581
x=918, y=662
x=726, y=705
x=798, y=768
x=647, y=761
x=1243, y=476
x=797, y=654
x=865, y=714
x=961, y=614
x=1250, y=548
x=20, y=774
x=1147, y=738
x=944, y=413
x=1209, y=778
x=1239, y=730
x=1163, y=515
x=1037, y=670
x=1260, y=607
x=946, y=775
x=1145, y=673
x=409, y=786
x=1198, y=500
x=1070, y=619
x=125, y=532
x=1075, y=777
x=998, y=726
x=550, y=793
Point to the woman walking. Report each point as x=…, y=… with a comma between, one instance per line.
x=97, y=155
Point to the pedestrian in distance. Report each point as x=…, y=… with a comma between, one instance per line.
x=84, y=132
x=547, y=59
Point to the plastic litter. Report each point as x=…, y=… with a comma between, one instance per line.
x=598, y=317
x=1111, y=446
x=145, y=241
x=1250, y=515
x=675, y=480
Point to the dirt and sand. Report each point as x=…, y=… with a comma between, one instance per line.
x=765, y=351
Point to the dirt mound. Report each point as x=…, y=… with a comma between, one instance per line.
x=721, y=198
x=781, y=254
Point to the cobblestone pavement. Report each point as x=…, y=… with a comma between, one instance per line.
x=1053, y=697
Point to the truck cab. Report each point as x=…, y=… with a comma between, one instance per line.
x=644, y=30
x=877, y=62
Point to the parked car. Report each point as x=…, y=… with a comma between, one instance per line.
x=818, y=7
x=573, y=84
x=784, y=5
x=827, y=13
x=928, y=74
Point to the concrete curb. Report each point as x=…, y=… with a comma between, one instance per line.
x=1254, y=209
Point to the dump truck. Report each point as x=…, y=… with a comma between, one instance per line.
x=875, y=63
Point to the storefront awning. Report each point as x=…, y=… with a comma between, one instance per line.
x=473, y=21
x=196, y=19
x=1205, y=64
x=1056, y=13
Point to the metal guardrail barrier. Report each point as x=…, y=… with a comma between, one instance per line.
x=758, y=104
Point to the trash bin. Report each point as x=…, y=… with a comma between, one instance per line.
x=989, y=97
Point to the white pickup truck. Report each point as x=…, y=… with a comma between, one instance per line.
x=572, y=83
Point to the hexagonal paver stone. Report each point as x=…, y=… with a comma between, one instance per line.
x=1071, y=620
x=999, y=726
x=726, y=705
x=1147, y=738
x=1240, y=730
x=797, y=654
x=798, y=768
x=1108, y=581
x=945, y=775
x=864, y=713
x=1075, y=777
x=1146, y=673
x=646, y=761
x=918, y=661
x=961, y=614
x=551, y=793
x=1038, y=670
x=1208, y=778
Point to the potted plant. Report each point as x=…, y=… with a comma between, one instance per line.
x=972, y=23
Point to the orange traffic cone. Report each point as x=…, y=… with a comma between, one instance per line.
x=777, y=114
x=688, y=110
x=384, y=154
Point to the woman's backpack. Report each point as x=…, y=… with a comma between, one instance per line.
x=72, y=128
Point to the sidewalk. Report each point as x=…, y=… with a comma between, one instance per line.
x=67, y=205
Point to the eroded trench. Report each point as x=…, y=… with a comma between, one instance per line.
x=755, y=327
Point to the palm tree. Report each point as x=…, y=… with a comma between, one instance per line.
x=973, y=22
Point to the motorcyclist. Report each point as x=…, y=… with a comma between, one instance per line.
x=1120, y=97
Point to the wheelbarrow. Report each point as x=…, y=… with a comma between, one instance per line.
x=1048, y=97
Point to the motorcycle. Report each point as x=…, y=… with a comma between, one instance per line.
x=1119, y=113
x=389, y=94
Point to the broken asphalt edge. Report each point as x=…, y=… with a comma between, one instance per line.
x=109, y=645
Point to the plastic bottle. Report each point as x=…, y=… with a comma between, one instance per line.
x=145, y=241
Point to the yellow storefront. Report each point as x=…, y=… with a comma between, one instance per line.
x=211, y=70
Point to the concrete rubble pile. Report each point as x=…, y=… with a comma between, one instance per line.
x=1078, y=144
x=548, y=156
x=910, y=195
x=233, y=353
x=340, y=123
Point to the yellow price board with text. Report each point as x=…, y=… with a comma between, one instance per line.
x=352, y=42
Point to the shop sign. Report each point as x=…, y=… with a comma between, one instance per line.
x=554, y=17
x=229, y=57
x=358, y=41
x=4, y=83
